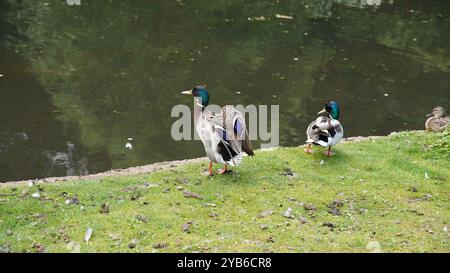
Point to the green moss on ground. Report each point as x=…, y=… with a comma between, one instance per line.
x=392, y=191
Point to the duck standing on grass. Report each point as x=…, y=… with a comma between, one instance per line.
x=224, y=134
x=326, y=130
x=437, y=120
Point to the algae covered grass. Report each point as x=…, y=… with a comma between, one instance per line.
x=385, y=195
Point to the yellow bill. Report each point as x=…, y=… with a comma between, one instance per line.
x=187, y=92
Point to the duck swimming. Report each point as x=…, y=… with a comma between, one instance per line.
x=326, y=130
x=224, y=134
x=437, y=120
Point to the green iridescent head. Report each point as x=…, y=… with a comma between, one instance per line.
x=199, y=92
x=331, y=108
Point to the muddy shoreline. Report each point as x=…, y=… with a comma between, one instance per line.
x=146, y=169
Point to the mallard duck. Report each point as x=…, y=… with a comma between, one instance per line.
x=437, y=120
x=224, y=134
x=326, y=130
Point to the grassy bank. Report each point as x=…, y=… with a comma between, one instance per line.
x=390, y=195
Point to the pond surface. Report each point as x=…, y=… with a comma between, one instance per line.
x=76, y=82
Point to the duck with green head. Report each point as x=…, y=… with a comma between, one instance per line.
x=224, y=134
x=326, y=130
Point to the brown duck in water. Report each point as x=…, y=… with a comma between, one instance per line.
x=438, y=120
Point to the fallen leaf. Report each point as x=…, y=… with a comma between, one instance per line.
x=303, y=220
x=183, y=181
x=160, y=245
x=363, y=210
x=39, y=215
x=134, y=196
x=129, y=189
x=40, y=248
x=334, y=211
x=189, y=194
x=309, y=207
x=213, y=214
x=336, y=203
x=265, y=213
x=328, y=224
x=264, y=227
x=187, y=226
x=289, y=173
x=141, y=218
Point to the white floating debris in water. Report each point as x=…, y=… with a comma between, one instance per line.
x=237, y=92
x=1, y=75
x=386, y=94
x=281, y=16
x=130, y=138
x=88, y=234
x=427, y=176
x=129, y=146
x=295, y=59
x=306, y=33
x=260, y=18
x=36, y=195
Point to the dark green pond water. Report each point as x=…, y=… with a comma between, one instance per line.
x=77, y=81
